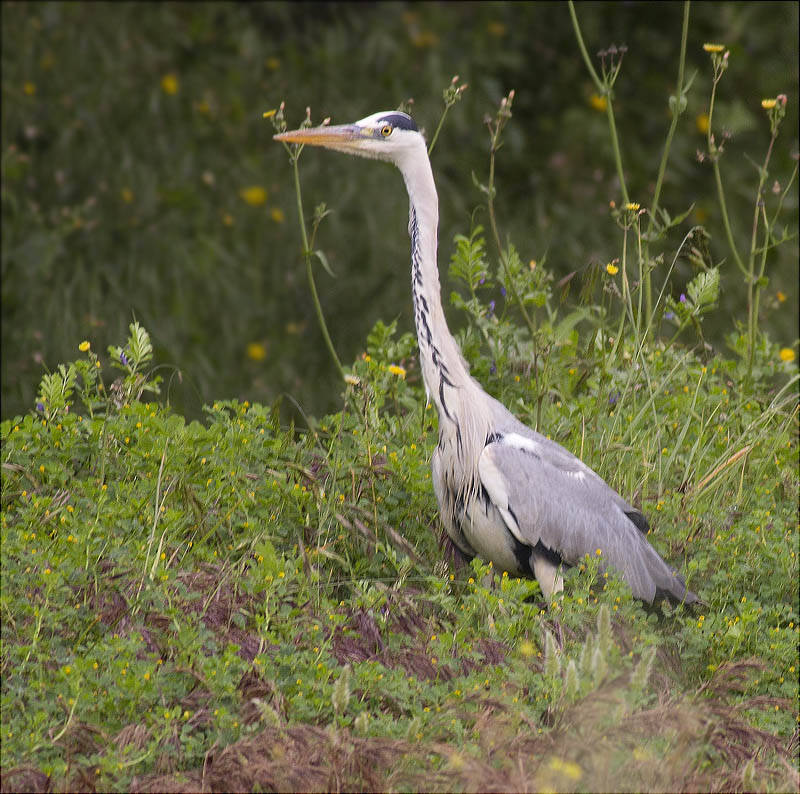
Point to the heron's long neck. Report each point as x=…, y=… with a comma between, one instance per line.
x=443, y=368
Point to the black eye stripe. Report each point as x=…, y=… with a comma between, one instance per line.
x=400, y=121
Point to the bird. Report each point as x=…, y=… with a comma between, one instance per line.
x=506, y=493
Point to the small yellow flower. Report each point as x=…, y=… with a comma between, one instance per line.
x=786, y=354
x=496, y=29
x=29, y=88
x=126, y=194
x=399, y=371
x=227, y=219
x=256, y=351
x=713, y=47
x=598, y=102
x=632, y=206
x=701, y=123
x=768, y=104
x=612, y=269
x=254, y=195
x=527, y=648
x=780, y=296
x=598, y=552
x=272, y=63
x=170, y=84
x=277, y=215
x=268, y=114
x=84, y=346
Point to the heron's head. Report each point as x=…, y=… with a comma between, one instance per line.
x=389, y=135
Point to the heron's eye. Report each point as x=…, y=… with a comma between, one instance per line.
x=386, y=130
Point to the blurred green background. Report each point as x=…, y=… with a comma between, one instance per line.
x=139, y=179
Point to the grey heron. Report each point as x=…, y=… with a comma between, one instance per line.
x=506, y=493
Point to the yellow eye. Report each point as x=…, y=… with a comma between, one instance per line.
x=386, y=130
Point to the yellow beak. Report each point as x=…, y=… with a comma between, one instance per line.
x=341, y=135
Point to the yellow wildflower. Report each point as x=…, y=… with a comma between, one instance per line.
x=598, y=102
x=713, y=47
x=277, y=215
x=126, y=194
x=84, y=346
x=768, y=104
x=780, y=296
x=399, y=371
x=170, y=84
x=268, y=114
x=272, y=63
x=256, y=351
x=29, y=88
x=496, y=29
x=632, y=206
x=612, y=269
x=701, y=123
x=786, y=354
x=527, y=648
x=255, y=195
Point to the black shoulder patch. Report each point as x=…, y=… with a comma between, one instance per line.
x=400, y=120
x=639, y=520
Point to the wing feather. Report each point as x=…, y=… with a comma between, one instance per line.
x=546, y=494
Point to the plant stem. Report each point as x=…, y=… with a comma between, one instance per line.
x=675, y=115
x=438, y=128
x=586, y=59
x=605, y=90
x=677, y=110
x=307, y=255
x=503, y=259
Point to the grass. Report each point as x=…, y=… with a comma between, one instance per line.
x=240, y=603
x=245, y=602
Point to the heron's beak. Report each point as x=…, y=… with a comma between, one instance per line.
x=344, y=136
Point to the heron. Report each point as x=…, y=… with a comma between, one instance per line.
x=506, y=493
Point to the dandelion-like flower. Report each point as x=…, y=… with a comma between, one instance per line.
x=170, y=84
x=612, y=269
x=786, y=354
x=399, y=371
x=84, y=346
x=277, y=215
x=256, y=351
x=632, y=206
x=598, y=102
x=255, y=195
x=701, y=123
x=710, y=47
x=768, y=104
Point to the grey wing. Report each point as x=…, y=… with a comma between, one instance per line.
x=546, y=494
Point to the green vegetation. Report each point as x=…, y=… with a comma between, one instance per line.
x=241, y=602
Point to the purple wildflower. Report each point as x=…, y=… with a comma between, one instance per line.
x=493, y=368
x=683, y=298
x=669, y=315
x=40, y=407
x=491, y=307
x=123, y=358
x=613, y=397
x=503, y=291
